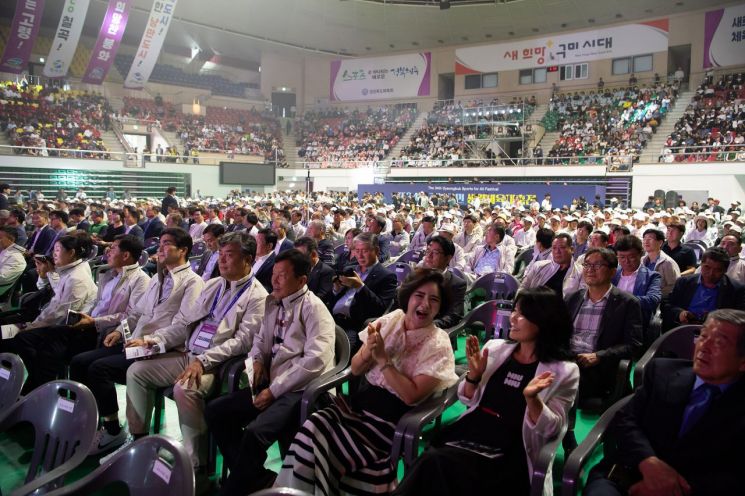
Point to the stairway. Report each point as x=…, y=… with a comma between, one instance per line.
x=395, y=152
x=652, y=151
x=113, y=144
x=618, y=187
x=116, y=102
x=171, y=138
x=4, y=141
x=288, y=145
x=548, y=140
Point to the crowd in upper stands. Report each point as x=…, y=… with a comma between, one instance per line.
x=46, y=119
x=610, y=123
x=713, y=125
x=348, y=136
x=269, y=277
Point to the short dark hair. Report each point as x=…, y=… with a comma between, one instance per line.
x=544, y=308
x=625, y=230
x=566, y=237
x=170, y=190
x=380, y=220
x=419, y=277
x=245, y=240
x=310, y=244
x=545, y=236
x=19, y=214
x=77, y=211
x=180, y=237
x=659, y=235
x=356, y=231
x=429, y=218
x=586, y=226
x=252, y=218
x=606, y=254
x=447, y=246
x=4, y=186
x=80, y=243
x=10, y=231
x=603, y=235
x=498, y=230
x=216, y=230
x=131, y=244
x=679, y=226
x=735, y=235
x=61, y=215
x=270, y=237
x=629, y=243
x=718, y=255
x=300, y=261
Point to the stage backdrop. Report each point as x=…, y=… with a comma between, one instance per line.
x=494, y=193
x=379, y=78
x=584, y=46
x=724, y=37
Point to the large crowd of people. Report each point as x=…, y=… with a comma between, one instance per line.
x=713, y=125
x=272, y=280
x=50, y=121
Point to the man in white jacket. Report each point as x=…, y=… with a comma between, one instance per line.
x=493, y=256
x=12, y=261
x=559, y=273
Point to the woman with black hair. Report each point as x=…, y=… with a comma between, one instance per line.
x=518, y=393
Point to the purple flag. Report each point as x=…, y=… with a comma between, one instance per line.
x=108, y=41
x=23, y=32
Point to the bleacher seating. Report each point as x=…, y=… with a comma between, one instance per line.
x=342, y=135
x=713, y=126
x=43, y=118
x=612, y=123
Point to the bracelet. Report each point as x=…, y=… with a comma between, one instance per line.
x=472, y=381
x=387, y=364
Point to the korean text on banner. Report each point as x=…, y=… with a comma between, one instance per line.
x=380, y=78
x=584, y=46
x=107, y=44
x=724, y=37
x=66, y=38
x=150, y=44
x=23, y=32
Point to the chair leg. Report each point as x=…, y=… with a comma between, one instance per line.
x=159, y=405
x=569, y=443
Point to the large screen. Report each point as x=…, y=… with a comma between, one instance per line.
x=247, y=174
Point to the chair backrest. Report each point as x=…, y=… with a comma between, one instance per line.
x=522, y=260
x=410, y=256
x=64, y=417
x=697, y=249
x=11, y=296
x=144, y=257
x=94, y=252
x=150, y=242
x=402, y=271
x=494, y=315
x=497, y=285
x=676, y=343
x=339, y=250
x=194, y=263
x=281, y=491
x=151, y=466
x=197, y=250
x=12, y=376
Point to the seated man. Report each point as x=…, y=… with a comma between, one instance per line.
x=12, y=260
x=695, y=295
x=266, y=241
x=321, y=277
x=440, y=251
x=376, y=225
x=170, y=294
x=223, y=322
x=317, y=230
x=46, y=350
x=281, y=227
x=598, y=239
x=295, y=344
x=732, y=245
x=426, y=229
x=682, y=432
x=208, y=266
x=364, y=295
x=544, y=239
x=607, y=326
x=470, y=237
x=683, y=256
x=659, y=261
x=636, y=279
x=398, y=238
x=560, y=273
x=492, y=256
x=458, y=261
x=347, y=256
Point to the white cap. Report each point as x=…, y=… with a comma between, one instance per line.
x=448, y=228
x=528, y=218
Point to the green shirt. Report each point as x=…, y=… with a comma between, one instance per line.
x=96, y=228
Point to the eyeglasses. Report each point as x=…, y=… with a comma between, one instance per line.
x=436, y=253
x=595, y=266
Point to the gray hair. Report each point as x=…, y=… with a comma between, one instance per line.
x=244, y=240
x=735, y=318
x=369, y=239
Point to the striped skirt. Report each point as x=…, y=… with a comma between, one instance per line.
x=340, y=451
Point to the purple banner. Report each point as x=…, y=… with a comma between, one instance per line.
x=711, y=23
x=23, y=32
x=108, y=41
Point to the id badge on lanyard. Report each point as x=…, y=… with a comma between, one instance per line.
x=203, y=336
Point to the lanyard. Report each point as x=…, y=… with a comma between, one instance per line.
x=219, y=295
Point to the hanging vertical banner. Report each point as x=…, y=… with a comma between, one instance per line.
x=150, y=44
x=724, y=37
x=23, y=32
x=66, y=38
x=107, y=44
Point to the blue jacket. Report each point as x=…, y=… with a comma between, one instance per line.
x=648, y=289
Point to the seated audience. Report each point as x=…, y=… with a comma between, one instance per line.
x=347, y=256
x=637, y=279
x=657, y=260
x=732, y=245
x=12, y=260
x=321, y=277
x=266, y=240
x=673, y=247
x=208, y=266
x=559, y=273
x=493, y=256
x=438, y=256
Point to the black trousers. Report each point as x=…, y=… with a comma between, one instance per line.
x=45, y=351
x=101, y=369
x=244, y=433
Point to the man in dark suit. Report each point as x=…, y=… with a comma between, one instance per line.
x=169, y=201
x=376, y=225
x=280, y=227
x=321, y=276
x=366, y=294
x=695, y=295
x=77, y=217
x=153, y=226
x=4, y=193
x=208, y=266
x=131, y=218
x=683, y=431
x=40, y=241
x=317, y=230
x=607, y=326
x=266, y=240
x=440, y=251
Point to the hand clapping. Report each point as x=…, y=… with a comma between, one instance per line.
x=476, y=359
x=375, y=344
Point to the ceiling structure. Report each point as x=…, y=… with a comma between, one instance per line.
x=242, y=29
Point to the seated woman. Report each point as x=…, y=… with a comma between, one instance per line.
x=518, y=393
x=404, y=358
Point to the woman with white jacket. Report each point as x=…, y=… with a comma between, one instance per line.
x=518, y=393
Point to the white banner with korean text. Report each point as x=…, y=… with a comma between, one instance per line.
x=724, y=37
x=584, y=46
x=380, y=78
x=66, y=38
x=151, y=43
